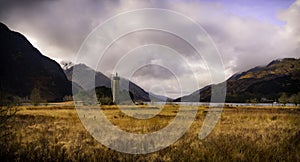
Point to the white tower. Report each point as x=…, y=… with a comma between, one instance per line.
x=116, y=80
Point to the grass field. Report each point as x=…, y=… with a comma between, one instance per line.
x=55, y=133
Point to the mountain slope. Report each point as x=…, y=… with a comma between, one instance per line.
x=138, y=94
x=269, y=82
x=83, y=70
x=23, y=68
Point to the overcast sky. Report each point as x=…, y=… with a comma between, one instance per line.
x=247, y=33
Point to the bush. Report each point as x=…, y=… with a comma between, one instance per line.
x=105, y=101
x=7, y=112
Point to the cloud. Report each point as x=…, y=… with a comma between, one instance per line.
x=245, y=42
x=60, y=26
x=291, y=32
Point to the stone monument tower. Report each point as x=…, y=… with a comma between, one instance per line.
x=115, y=88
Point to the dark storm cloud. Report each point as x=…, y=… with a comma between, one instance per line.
x=9, y=4
x=245, y=42
x=133, y=40
x=59, y=27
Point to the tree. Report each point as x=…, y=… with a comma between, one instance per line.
x=253, y=101
x=283, y=99
x=68, y=98
x=105, y=100
x=295, y=98
x=35, y=95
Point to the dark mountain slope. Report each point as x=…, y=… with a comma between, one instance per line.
x=83, y=70
x=23, y=67
x=279, y=76
x=138, y=94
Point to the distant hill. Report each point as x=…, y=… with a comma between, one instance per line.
x=264, y=83
x=103, y=83
x=83, y=70
x=24, y=68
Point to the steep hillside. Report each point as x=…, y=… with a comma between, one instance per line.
x=136, y=92
x=83, y=70
x=263, y=83
x=24, y=68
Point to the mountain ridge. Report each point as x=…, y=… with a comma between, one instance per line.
x=101, y=80
x=261, y=82
x=25, y=68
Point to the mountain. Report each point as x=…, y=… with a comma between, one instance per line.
x=24, y=68
x=87, y=72
x=103, y=83
x=265, y=83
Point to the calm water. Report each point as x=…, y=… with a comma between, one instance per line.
x=216, y=104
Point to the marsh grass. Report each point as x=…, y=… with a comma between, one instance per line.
x=55, y=133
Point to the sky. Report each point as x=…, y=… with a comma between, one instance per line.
x=247, y=33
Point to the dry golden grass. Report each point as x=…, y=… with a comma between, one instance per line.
x=55, y=133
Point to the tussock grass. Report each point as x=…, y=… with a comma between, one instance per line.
x=55, y=133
